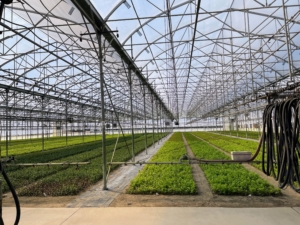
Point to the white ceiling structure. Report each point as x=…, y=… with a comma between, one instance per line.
x=194, y=58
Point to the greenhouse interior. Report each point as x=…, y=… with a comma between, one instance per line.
x=88, y=85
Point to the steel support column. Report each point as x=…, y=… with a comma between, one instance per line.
x=82, y=122
x=43, y=134
x=287, y=42
x=152, y=120
x=102, y=113
x=160, y=118
x=6, y=125
x=131, y=111
x=145, y=118
x=66, y=123
x=157, y=123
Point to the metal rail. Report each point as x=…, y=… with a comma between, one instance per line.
x=200, y=161
x=47, y=164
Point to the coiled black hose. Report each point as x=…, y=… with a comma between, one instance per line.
x=281, y=147
x=14, y=194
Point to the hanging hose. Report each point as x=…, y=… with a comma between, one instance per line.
x=281, y=147
x=17, y=203
x=14, y=194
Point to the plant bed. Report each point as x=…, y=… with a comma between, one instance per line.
x=229, y=144
x=18, y=147
x=228, y=179
x=243, y=134
x=71, y=180
x=165, y=179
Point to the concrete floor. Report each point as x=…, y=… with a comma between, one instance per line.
x=155, y=216
x=117, y=182
x=88, y=209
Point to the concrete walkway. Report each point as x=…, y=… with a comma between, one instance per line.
x=117, y=181
x=155, y=216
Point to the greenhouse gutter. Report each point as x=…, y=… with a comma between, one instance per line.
x=92, y=15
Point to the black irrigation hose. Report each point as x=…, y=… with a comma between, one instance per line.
x=17, y=203
x=281, y=147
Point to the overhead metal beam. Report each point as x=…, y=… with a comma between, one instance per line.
x=192, y=49
x=91, y=14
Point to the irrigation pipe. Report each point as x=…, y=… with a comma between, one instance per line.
x=191, y=161
x=48, y=164
x=201, y=161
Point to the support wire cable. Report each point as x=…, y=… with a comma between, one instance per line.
x=112, y=157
